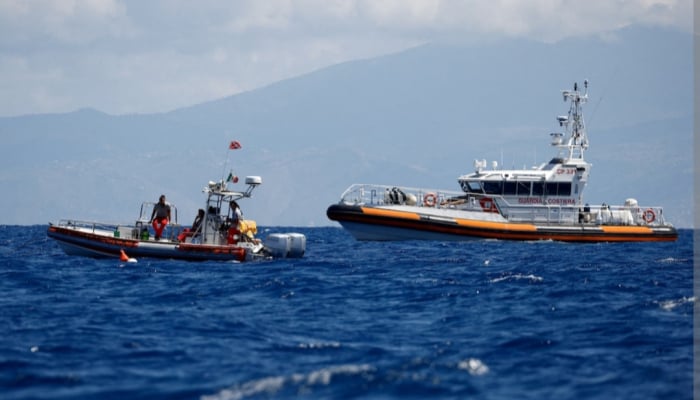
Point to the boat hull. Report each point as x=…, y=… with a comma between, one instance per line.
x=95, y=244
x=414, y=223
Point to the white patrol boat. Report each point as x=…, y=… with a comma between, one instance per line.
x=222, y=233
x=544, y=203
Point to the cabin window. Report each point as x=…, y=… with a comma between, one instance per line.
x=537, y=188
x=553, y=164
x=510, y=188
x=551, y=188
x=493, y=187
x=564, y=189
x=474, y=186
x=523, y=188
x=558, y=188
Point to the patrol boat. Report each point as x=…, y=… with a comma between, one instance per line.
x=543, y=203
x=221, y=235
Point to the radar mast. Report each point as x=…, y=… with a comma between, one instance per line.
x=573, y=124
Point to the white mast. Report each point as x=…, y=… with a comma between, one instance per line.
x=573, y=124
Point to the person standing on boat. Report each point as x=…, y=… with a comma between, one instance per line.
x=160, y=216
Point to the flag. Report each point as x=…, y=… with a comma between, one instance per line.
x=234, y=145
x=232, y=178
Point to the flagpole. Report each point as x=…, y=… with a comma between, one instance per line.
x=223, y=171
x=233, y=145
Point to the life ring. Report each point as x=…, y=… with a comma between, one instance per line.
x=488, y=205
x=429, y=200
x=649, y=216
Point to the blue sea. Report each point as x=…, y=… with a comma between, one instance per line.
x=370, y=320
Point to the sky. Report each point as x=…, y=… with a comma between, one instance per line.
x=134, y=56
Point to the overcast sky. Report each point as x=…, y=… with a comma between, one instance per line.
x=136, y=56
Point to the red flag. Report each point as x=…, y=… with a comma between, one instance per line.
x=234, y=145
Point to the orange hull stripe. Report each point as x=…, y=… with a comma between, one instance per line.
x=496, y=225
x=390, y=213
x=626, y=229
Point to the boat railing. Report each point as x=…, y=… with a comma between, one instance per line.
x=125, y=231
x=620, y=215
x=553, y=214
x=372, y=194
x=624, y=215
x=91, y=226
x=172, y=230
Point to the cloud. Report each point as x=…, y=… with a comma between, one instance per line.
x=76, y=22
x=135, y=56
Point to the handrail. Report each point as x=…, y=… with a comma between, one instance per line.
x=375, y=194
x=92, y=225
x=173, y=229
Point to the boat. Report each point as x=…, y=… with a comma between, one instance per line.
x=542, y=203
x=221, y=235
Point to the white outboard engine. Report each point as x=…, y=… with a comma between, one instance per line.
x=282, y=245
x=297, y=245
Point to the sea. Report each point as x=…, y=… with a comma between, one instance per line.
x=483, y=319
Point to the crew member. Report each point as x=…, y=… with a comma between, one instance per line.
x=160, y=216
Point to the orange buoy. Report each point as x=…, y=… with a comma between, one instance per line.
x=124, y=258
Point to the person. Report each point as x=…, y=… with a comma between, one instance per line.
x=198, y=220
x=160, y=216
x=236, y=213
x=233, y=234
x=187, y=232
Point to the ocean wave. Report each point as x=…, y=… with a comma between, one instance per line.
x=323, y=345
x=474, y=366
x=669, y=305
x=673, y=260
x=271, y=385
x=515, y=277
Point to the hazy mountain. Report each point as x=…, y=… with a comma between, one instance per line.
x=416, y=118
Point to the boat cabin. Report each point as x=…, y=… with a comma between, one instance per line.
x=223, y=223
x=557, y=182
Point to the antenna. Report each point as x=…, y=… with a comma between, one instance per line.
x=573, y=123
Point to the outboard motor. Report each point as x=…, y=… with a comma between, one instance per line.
x=286, y=245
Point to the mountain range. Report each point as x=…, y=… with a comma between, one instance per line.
x=415, y=118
